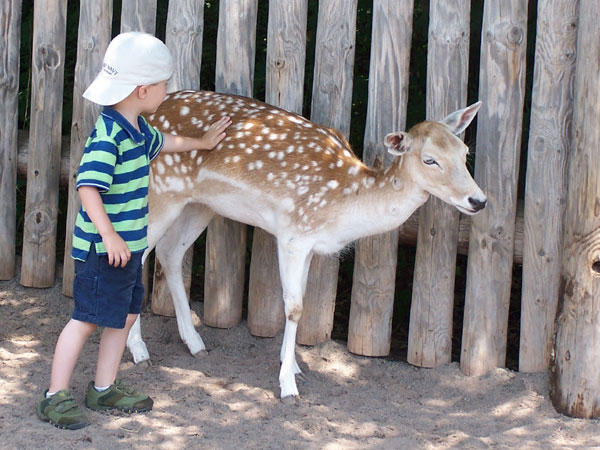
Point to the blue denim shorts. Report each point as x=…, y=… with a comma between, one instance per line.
x=104, y=295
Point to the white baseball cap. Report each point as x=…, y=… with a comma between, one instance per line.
x=132, y=59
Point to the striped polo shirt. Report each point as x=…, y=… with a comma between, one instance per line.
x=116, y=161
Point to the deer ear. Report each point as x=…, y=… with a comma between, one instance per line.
x=398, y=143
x=459, y=120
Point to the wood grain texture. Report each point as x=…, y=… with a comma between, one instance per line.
x=286, y=54
x=369, y=331
x=226, y=240
x=95, y=18
x=138, y=15
x=550, y=135
x=575, y=383
x=331, y=106
x=41, y=206
x=10, y=36
x=489, y=271
x=185, y=25
x=430, y=330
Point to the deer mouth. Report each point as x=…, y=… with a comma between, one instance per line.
x=468, y=211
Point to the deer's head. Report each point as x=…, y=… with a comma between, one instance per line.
x=435, y=158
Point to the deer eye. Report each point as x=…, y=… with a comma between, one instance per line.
x=430, y=161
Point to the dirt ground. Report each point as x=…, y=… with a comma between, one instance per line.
x=229, y=399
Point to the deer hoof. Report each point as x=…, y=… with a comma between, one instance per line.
x=289, y=400
x=200, y=354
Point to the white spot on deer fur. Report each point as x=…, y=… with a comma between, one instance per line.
x=290, y=149
x=283, y=163
x=239, y=135
x=151, y=118
x=283, y=174
x=332, y=184
x=249, y=151
x=236, y=158
x=265, y=130
x=305, y=167
x=294, y=119
x=272, y=154
x=347, y=153
x=280, y=156
x=251, y=166
x=267, y=146
x=288, y=204
x=302, y=190
x=259, y=164
x=193, y=153
x=353, y=170
x=323, y=203
x=259, y=138
x=174, y=184
x=160, y=168
x=176, y=157
x=270, y=176
x=161, y=118
x=166, y=124
x=295, y=166
x=184, y=169
x=248, y=125
x=339, y=163
x=169, y=160
x=227, y=160
x=273, y=136
x=199, y=161
x=184, y=111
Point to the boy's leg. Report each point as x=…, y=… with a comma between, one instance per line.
x=68, y=347
x=112, y=346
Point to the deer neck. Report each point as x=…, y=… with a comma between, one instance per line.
x=380, y=205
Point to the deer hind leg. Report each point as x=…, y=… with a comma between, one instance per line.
x=293, y=263
x=162, y=217
x=170, y=250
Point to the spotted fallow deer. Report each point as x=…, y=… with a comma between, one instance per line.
x=297, y=180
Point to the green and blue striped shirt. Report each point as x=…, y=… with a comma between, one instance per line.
x=116, y=160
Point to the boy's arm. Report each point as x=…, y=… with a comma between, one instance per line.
x=214, y=135
x=117, y=249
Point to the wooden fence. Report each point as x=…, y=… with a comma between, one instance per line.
x=506, y=232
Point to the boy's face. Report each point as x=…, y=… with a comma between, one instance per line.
x=154, y=95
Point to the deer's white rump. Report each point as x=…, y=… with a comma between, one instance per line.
x=297, y=180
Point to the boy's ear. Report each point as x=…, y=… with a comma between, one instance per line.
x=141, y=91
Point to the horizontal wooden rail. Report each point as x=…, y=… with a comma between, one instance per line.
x=407, y=232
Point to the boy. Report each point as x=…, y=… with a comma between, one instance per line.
x=110, y=231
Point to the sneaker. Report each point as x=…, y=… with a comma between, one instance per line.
x=117, y=396
x=61, y=411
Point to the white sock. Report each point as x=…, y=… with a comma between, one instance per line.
x=101, y=389
x=50, y=394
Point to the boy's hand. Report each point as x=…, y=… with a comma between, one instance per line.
x=117, y=249
x=212, y=137
x=216, y=133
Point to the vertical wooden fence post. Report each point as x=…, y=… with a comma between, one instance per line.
x=10, y=16
x=95, y=18
x=575, y=386
x=331, y=106
x=185, y=25
x=430, y=330
x=138, y=15
x=41, y=206
x=286, y=53
x=489, y=271
x=546, y=184
x=370, y=327
x=226, y=240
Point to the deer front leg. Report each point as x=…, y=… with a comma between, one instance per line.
x=293, y=262
x=170, y=251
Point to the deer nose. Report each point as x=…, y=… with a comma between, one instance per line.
x=477, y=205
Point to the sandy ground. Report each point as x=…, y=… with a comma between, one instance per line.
x=229, y=399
